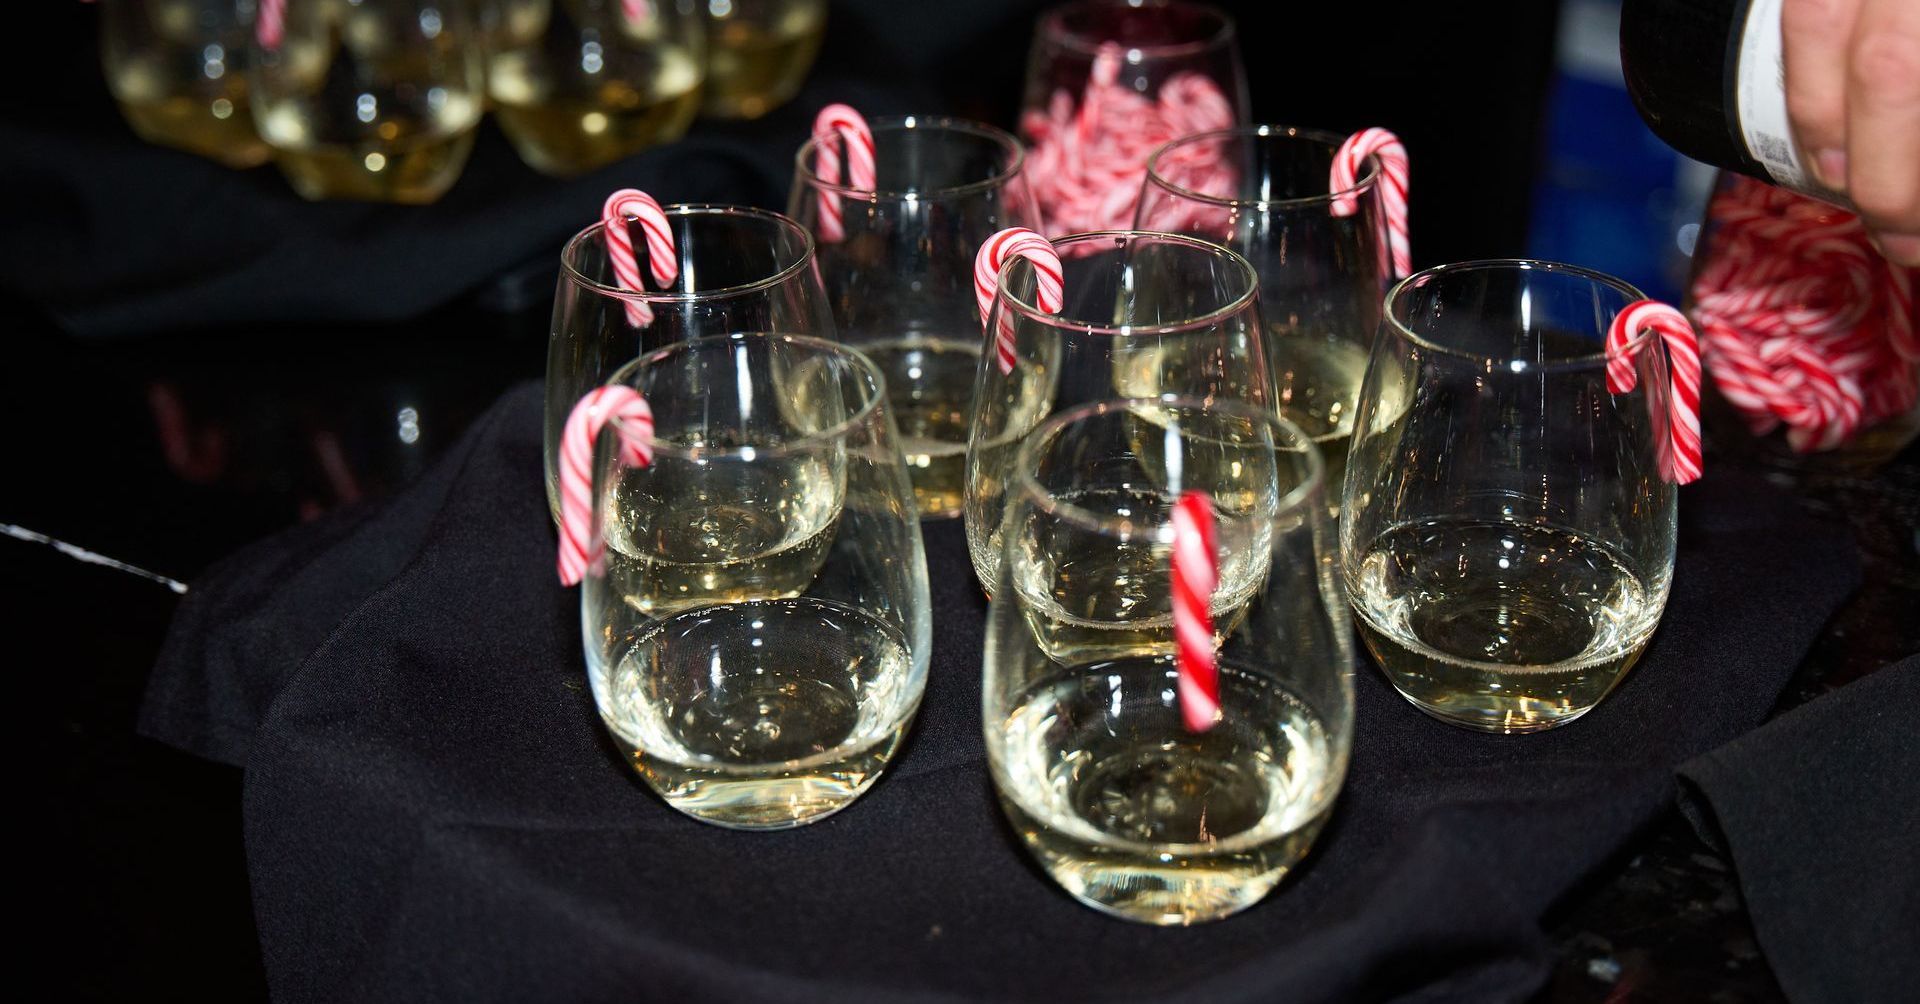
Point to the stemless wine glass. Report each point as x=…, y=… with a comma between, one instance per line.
x=1507, y=536
x=1145, y=315
x=900, y=276
x=370, y=99
x=1155, y=44
x=597, y=81
x=1262, y=191
x=758, y=631
x=1122, y=805
x=741, y=269
x=759, y=52
x=178, y=69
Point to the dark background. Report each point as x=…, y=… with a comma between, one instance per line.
x=175, y=442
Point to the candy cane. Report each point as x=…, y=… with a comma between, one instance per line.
x=1680, y=454
x=662, y=261
x=580, y=548
x=636, y=10
x=835, y=123
x=1802, y=324
x=1195, y=573
x=1387, y=150
x=1049, y=290
x=270, y=24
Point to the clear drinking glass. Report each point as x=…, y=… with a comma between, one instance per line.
x=1322, y=277
x=741, y=269
x=759, y=53
x=1122, y=805
x=371, y=99
x=758, y=631
x=1158, y=41
x=178, y=69
x=592, y=84
x=901, y=279
x=1507, y=537
x=1145, y=315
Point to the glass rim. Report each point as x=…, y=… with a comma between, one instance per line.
x=1053, y=30
x=811, y=441
x=570, y=250
x=1234, y=306
x=803, y=160
x=1296, y=498
x=1361, y=184
x=1396, y=297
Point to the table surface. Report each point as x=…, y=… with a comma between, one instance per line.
x=169, y=453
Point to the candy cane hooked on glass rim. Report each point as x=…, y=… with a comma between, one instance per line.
x=1195, y=572
x=580, y=548
x=1049, y=291
x=662, y=261
x=1680, y=451
x=1386, y=148
x=834, y=124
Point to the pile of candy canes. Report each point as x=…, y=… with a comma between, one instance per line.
x=1802, y=323
x=1085, y=163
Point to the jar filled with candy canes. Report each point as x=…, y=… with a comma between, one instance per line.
x=1806, y=330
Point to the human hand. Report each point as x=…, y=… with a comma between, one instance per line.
x=1853, y=94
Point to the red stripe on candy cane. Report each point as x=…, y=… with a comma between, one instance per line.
x=1049, y=290
x=1680, y=452
x=662, y=261
x=834, y=124
x=1195, y=574
x=1391, y=155
x=270, y=24
x=580, y=548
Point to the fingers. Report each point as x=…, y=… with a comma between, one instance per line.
x=1883, y=124
x=1816, y=36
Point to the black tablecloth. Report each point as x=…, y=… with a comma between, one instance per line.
x=432, y=811
x=1820, y=812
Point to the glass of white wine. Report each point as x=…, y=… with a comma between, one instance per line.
x=1262, y=191
x=741, y=269
x=178, y=69
x=1507, y=537
x=374, y=100
x=578, y=84
x=1145, y=315
x=759, y=53
x=1123, y=805
x=757, y=633
x=900, y=278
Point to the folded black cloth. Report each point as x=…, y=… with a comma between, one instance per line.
x=1820, y=812
x=433, y=813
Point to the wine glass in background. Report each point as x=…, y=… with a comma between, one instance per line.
x=757, y=634
x=741, y=269
x=1507, y=536
x=1123, y=805
x=1262, y=191
x=596, y=80
x=1145, y=315
x=900, y=276
x=369, y=99
x=1175, y=70
x=758, y=53
x=179, y=70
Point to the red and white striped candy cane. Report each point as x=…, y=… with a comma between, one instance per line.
x=1392, y=156
x=1195, y=574
x=580, y=548
x=270, y=24
x=662, y=261
x=835, y=123
x=1049, y=291
x=1680, y=454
